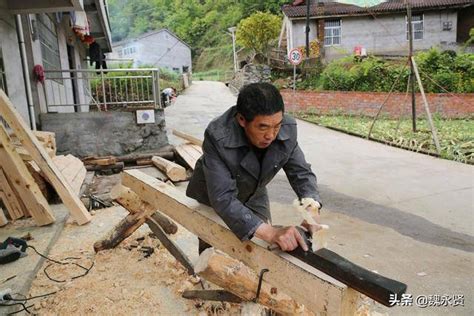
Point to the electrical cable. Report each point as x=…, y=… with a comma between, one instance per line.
x=24, y=300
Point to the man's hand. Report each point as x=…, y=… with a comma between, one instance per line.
x=312, y=228
x=287, y=238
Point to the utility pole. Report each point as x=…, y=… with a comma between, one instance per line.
x=232, y=31
x=307, y=29
x=412, y=70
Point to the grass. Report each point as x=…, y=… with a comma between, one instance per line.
x=456, y=136
x=214, y=75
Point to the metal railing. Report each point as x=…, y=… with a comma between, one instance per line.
x=83, y=90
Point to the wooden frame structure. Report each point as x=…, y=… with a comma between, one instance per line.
x=317, y=291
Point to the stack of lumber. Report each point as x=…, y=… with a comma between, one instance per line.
x=190, y=151
x=25, y=159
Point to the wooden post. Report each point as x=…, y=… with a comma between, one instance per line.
x=237, y=278
x=427, y=108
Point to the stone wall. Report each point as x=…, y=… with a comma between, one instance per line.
x=250, y=73
x=367, y=103
x=104, y=133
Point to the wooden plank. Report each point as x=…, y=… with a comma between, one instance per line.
x=172, y=170
x=21, y=179
x=9, y=197
x=151, y=171
x=44, y=186
x=49, y=138
x=3, y=219
x=314, y=289
x=237, y=278
x=189, y=138
x=41, y=157
x=189, y=154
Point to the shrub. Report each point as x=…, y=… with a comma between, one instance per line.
x=440, y=72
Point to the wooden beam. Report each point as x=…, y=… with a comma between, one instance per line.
x=170, y=245
x=41, y=157
x=3, y=219
x=134, y=204
x=316, y=290
x=237, y=278
x=120, y=232
x=172, y=170
x=140, y=212
x=189, y=138
x=21, y=179
x=9, y=198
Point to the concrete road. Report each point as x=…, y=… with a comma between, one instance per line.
x=405, y=215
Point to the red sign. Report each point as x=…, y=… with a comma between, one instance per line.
x=295, y=56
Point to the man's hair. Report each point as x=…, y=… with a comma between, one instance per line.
x=259, y=99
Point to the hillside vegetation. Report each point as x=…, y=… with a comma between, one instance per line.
x=202, y=24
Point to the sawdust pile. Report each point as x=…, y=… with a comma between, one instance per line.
x=137, y=277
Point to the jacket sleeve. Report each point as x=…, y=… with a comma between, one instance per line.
x=302, y=179
x=222, y=193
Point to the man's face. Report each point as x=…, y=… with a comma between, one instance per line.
x=263, y=129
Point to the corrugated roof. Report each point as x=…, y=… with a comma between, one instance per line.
x=338, y=9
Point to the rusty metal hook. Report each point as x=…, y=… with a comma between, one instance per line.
x=259, y=287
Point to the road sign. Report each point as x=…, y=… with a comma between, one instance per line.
x=295, y=56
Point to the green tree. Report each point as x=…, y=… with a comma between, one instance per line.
x=257, y=31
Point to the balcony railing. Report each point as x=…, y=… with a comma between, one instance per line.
x=74, y=90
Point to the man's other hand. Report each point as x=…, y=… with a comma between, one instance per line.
x=287, y=238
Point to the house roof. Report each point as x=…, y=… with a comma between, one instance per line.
x=145, y=35
x=325, y=9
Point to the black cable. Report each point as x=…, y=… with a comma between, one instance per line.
x=13, y=304
x=25, y=308
x=62, y=263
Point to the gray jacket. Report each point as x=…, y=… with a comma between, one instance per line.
x=228, y=177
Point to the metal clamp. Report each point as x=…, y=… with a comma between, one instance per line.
x=259, y=287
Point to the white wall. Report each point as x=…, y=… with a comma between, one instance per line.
x=386, y=34
x=12, y=63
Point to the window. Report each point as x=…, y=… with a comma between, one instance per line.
x=447, y=26
x=417, y=26
x=332, y=32
x=129, y=50
x=48, y=37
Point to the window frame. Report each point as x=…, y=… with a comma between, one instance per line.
x=332, y=28
x=422, y=22
x=49, y=48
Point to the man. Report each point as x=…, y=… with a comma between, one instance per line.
x=243, y=150
x=167, y=95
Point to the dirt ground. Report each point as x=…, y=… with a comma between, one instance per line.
x=124, y=280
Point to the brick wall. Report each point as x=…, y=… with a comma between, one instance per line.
x=367, y=103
